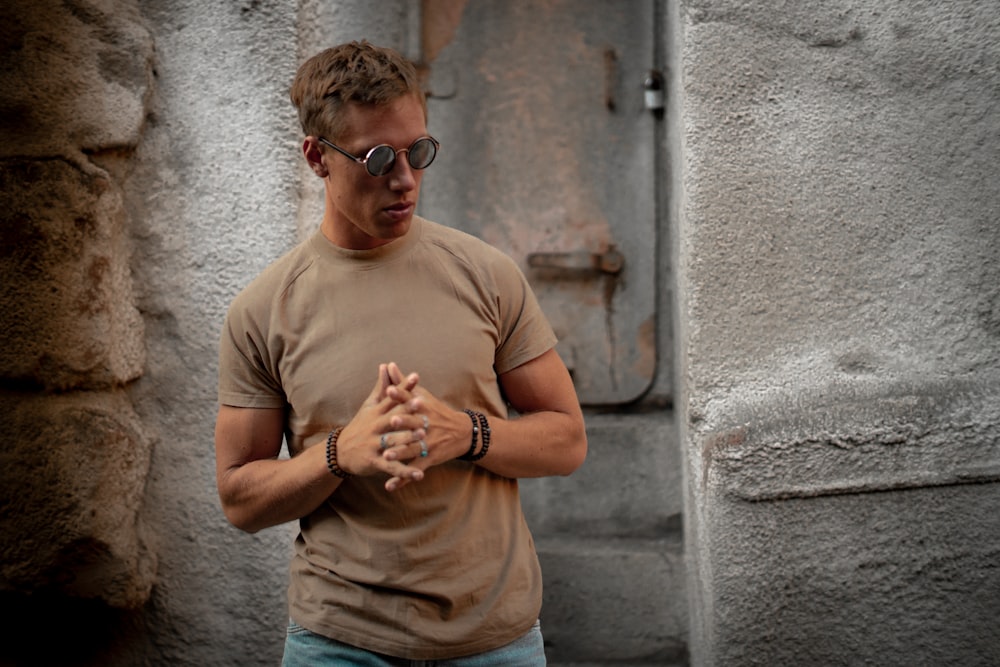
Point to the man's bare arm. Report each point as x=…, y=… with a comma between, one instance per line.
x=548, y=437
x=258, y=490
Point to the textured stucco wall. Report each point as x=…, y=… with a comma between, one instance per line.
x=839, y=316
x=214, y=198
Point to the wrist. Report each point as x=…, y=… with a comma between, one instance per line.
x=331, y=454
x=479, y=443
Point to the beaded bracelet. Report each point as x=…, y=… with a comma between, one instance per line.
x=475, y=437
x=480, y=427
x=484, y=432
x=331, y=454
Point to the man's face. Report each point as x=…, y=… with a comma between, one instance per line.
x=365, y=211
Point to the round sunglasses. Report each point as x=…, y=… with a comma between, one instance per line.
x=380, y=160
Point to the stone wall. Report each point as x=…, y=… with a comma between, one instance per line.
x=75, y=83
x=838, y=252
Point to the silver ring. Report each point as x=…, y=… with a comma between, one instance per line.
x=383, y=442
x=423, y=449
x=427, y=423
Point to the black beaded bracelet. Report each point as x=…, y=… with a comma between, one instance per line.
x=484, y=433
x=475, y=437
x=331, y=454
x=480, y=428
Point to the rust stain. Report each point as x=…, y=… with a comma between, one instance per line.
x=719, y=442
x=726, y=439
x=610, y=77
x=439, y=22
x=645, y=363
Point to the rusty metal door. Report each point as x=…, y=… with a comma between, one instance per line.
x=548, y=152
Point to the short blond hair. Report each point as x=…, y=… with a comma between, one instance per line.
x=354, y=72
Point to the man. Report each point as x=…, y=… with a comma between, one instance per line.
x=412, y=543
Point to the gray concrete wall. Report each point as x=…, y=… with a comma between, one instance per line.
x=839, y=282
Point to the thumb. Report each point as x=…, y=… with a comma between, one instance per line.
x=381, y=384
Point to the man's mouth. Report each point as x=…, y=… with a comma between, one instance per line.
x=400, y=209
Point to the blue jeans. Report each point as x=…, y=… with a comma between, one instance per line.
x=307, y=649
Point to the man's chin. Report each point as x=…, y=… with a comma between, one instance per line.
x=384, y=234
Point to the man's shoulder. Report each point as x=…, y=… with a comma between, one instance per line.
x=462, y=245
x=275, y=278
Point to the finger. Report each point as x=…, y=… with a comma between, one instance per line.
x=396, y=483
x=407, y=382
x=404, y=418
x=403, y=475
x=411, y=381
x=395, y=373
x=391, y=378
x=381, y=384
x=408, y=451
x=395, y=397
x=399, y=438
x=407, y=402
x=400, y=394
x=397, y=394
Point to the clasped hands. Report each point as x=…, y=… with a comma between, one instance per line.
x=400, y=430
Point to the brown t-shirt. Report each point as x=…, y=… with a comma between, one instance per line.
x=441, y=568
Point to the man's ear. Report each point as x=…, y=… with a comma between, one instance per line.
x=314, y=156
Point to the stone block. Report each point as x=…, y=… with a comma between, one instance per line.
x=629, y=486
x=74, y=76
x=73, y=471
x=614, y=601
x=852, y=527
x=850, y=440
x=67, y=312
x=891, y=578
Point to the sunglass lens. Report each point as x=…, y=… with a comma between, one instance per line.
x=421, y=153
x=381, y=160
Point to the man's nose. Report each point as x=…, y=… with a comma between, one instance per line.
x=403, y=176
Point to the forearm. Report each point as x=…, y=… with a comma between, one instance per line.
x=267, y=492
x=547, y=438
x=540, y=444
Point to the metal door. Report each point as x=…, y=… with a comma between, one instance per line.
x=548, y=152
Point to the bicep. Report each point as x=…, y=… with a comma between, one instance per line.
x=243, y=435
x=541, y=385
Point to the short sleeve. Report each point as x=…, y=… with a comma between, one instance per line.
x=247, y=375
x=525, y=332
